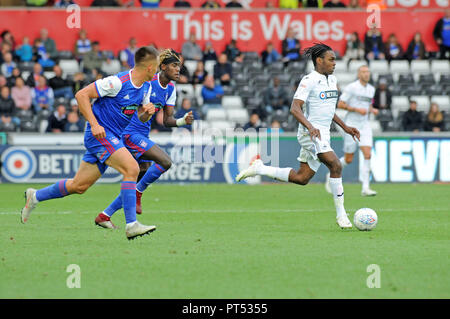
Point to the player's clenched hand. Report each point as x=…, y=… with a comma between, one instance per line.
x=314, y=133
x=98, y=131
x=353, y=132
x=189, y=118
x=149, y=108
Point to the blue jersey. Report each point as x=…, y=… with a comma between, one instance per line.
x=160, y=97
x=118, y=101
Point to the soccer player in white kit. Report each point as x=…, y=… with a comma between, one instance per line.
x=314, y=107
x=357, y=99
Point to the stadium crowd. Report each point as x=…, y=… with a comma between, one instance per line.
x=36, y=94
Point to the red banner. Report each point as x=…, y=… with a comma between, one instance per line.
x=252, y=29
x=197, y=3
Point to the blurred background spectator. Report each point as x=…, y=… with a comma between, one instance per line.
x=290, y=46
x=93, y=59
x=209, y=54
x=412, y=119
x=199, y=74
x=82, y=45
x=223, y=70
x=182, y=4
x=25, y=51
x=57, y=121
x=441, y=33
x=373, y=44
x=270, y=55
x=394, y=50
x=127, y=55
x=211, y=4
x=416, y=48
x=74, y=123
x=435, y=119
x=354, y=49
x=332, y=4
x=211, y=94
x=383, y=96
x=8, y=64
x=42, y=95
x=233, y=4
x=186, y=107
x=61, y=86
x=191, y=50
x=233, y=53
x=21, y=94
x=253, y=123
x=276, y=97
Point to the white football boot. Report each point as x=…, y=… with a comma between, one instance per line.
x=30, y=204
x=250, y=171
x=343, y=222
x=368, y=192
x=327, y=183
x=137, y=230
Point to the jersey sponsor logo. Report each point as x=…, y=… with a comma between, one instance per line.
x=364, y=98
x=129, y=110
x=331, y=94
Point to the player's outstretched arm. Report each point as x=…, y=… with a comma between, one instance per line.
x=83, y=98
x=296, y=111
x=170, y=121
x=345, y=106
x=347, y=129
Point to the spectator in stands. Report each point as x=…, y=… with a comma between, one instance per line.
x=233, y=4
x=42, y=95
x=182, y=4
x=223, y=70
x=34, y=76
x=149, y=3
x=412, y=119
x=233, y=53
x=289, y=4
x=3, y=81
x=191, y=50
x=394, y=50
x=332, y=4
x=21, y=94
x=199, y=74
x=41, y=54
x=186, y=107
x=209, y=54
x=211, y=4
x=276, y=97
x=82, y=45
x=435, y=119
x=212, y=94
x=416, y=48
x=61, y=87
x=441, y=34
x=5, y=48
x=93, y=59
x=74, y=123
x=353, y=4
x=275, y=126
x=7, y=37
x=49, y=44
x=105, y=3
x=290, y=47
x=354, y=49
x=312, y=4
x=7, y=106
x=36, y=3
x=270, y=55
x=269, y=5
x=127, y=55
x=383, y=96
x=63, y=3
x=57, y=121
x=11, y=81
x=254, y=123
x=25, y=51
x=158, y=124
x=8, y=64
x=79, y=82
x=373, y=44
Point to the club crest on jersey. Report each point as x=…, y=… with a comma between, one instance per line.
x=143, y=143
x=129, y=110
x=328, y=94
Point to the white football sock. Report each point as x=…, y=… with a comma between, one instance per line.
x=281, y=174
x=365, y=174
x=338, y=195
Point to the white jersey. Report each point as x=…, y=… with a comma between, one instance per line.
x=357, y=95
x=320, y=95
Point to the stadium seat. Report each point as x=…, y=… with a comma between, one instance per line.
x=26, y=67
x=406, y=78
x=222, y=125
x=232, y=102
x=190, y=66
x=185, y=90
x=251, y=56
x=262, y=80
x=239, y=116
x=297, y=67
x=440, y=67
x=216, y=115
x=399, y=66
x=379, y=67
x=7, y=127
x=49, y=74
x=427, y=79
x=345, y=78
x=443, y=101
x=28, y=126
x=341, y=67
x=388, y=77
x=423, y=102
x=236, y=68
x=399, y=104
x=355, y=64
x=285, y=80
x=376, y=127
x=69, y=66
x=209, y=67
x=24, y=115
x=435, y=89
x=65, y=55
x=111, y=68
x=420, y=67
x=43, y=114
x=240, y=79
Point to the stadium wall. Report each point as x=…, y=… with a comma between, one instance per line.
x=423, y=158
x=252, y=29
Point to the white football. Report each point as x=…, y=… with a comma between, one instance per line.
x=365, y=219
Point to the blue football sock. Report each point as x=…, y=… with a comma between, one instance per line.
x=56, y=190
x=152, y=174
x=128, y=194
x=114, y=206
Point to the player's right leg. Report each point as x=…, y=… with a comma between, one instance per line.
x=85, y=177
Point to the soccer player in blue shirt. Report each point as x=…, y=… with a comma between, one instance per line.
x=118, y=99
x=135, y=136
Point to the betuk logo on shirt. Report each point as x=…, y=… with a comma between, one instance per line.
x=328, y=94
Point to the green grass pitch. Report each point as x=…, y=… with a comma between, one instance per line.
x=229, y=241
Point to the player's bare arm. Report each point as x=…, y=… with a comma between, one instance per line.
x=170, y=121
x=345, y=106
x=83, y=98
x=296, y=111
x=146, y=112
x=347, y=129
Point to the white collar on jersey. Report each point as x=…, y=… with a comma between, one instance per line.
x=159, y=82
x=131, y=81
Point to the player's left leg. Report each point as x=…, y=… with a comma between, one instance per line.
x=366, y=191
x=337, y=189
